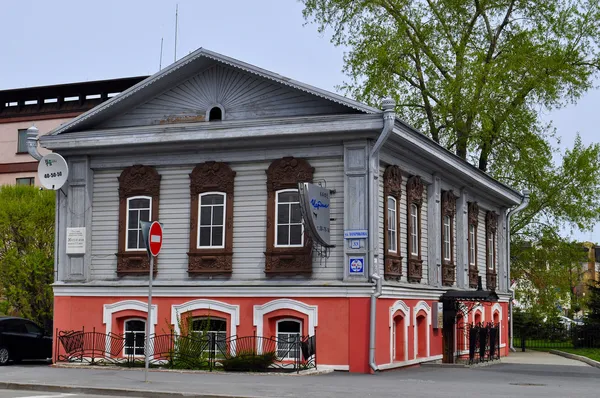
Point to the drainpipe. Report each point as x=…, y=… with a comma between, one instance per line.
x=512, y=212
x=388, y=105
x=32, y=143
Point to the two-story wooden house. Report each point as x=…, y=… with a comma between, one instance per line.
x=214, y=148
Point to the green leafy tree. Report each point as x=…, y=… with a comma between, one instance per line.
x=593, y=303
x=27, y=252
x=474, y=75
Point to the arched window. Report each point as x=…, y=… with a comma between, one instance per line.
x=448, y=213
x=139, y=189
x=215, y=114
x=135, y=337
x=211, y=224
x=472, y=238
x=288, y=337
x=288, y=251
x=392, y=191
x=414, y=194
x=139, y=208
x=290, y=230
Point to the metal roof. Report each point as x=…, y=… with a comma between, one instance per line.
x=182, y=69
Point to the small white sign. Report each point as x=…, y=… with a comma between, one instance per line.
x=357, y=265
x=355, y=244
x=356, y=233
x=76, y=240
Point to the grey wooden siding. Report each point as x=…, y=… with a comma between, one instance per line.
x=402, y=229
x=481, y=245
x=249, y=234
x=242, y=95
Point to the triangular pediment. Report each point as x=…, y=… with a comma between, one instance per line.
x=185, y=91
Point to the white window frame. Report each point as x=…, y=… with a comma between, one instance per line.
x=299, y=322
x=414, y=233
x=447, y=241
x=224, y=195
x=215, y=333
x=127, y=229
x=394, y=231
x=491, y=252
x=276, y=244
x=472, y=251
x=134, y=333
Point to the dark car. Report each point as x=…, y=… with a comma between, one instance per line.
x=21, y=339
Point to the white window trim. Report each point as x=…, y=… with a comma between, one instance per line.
x=110, y=309
x=422, y=305
x=395, y=223
x=399, y=306
x=481, y=311
x=414, y=233
x=125, y=331
x=127, y=221
x=222, y=246
x=311, y=312
x=277, y=218
x=299, y=322
x=447, y=235
x=498, y=308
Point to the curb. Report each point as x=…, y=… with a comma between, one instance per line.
x=587, y=360
x=110, y=391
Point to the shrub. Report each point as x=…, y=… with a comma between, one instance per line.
x=249, y=362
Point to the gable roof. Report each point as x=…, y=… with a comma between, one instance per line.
x=182, y=69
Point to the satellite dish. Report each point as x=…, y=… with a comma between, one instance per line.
x=53, y=171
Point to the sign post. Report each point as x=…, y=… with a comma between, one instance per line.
x=153, y=237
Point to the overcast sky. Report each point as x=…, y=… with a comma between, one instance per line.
x=63, y=41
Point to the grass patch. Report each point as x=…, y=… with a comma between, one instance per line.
x=591, y=353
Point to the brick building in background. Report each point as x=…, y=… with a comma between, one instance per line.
x=46, y=107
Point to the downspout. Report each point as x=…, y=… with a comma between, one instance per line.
x=32, y=143
x=512, y=212
x=389, y=115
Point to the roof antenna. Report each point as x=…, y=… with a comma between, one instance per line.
x=161, y=51
x=176, y=15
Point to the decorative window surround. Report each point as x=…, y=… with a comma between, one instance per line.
x=491, y=227
x=110, y=309
x=448, y=264
x=402, y=307
x=481, y=311
x=219, y=178
x=204, y=304
x=286, y=173
x=135, y=181
x=414, y=194
x=498, y=308
x=392, y=188
x=473, y=221
x=311, y=312
x=422, y=305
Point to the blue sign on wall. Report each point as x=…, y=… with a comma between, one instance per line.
x=357, y=265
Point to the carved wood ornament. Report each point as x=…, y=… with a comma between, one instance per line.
x=448, y=210
x=473, y=220
x=414, y=194
x=491, y=227
x=392, y=186
x=211, y=177
x=286, y=173
x=136, y=180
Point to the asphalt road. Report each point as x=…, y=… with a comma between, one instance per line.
x=37, y=394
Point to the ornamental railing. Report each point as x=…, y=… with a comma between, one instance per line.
x=477, y=342
x=172, y=351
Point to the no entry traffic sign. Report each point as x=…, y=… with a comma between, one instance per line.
x=155, y=237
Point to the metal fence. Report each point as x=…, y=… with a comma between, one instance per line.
x=477, y=342
x=557, y=336
x=249, y=353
